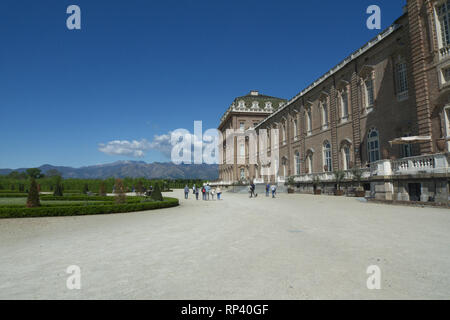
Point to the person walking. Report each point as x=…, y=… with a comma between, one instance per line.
x=196, y=193
x=203, y=193
x=213, y=192
x=274, y=190
x=186, y=192
x=208, y=191
x=193, y=189
x=254, y=190
x=219, y=193
x=267, y=189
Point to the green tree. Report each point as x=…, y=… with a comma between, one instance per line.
x=35, y=173
x=156, y=194
x=140, y=188
x=85, y=188
x=58, y=187
x=33, y=195
x=102, y=189
x=120, y=192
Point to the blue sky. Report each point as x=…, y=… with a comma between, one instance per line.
x=140, y=69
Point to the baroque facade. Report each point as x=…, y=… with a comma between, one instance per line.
x=384, y=109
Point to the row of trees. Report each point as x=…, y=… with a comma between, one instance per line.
x=20, y=181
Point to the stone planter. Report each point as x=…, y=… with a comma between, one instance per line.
x=360, y=194
x=291, y=190
x=317, y=192
x=338, y=193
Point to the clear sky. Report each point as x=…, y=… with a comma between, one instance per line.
x=139, y=69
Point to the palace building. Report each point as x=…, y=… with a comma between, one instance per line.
x=385, y=109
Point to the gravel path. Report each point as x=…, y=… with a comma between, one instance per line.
x=292, y=247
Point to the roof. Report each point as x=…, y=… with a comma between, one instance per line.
x=338, y=67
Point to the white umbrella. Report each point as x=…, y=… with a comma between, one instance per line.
x=410, y=140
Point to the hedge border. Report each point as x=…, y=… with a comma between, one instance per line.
x=86, y=210
x=14, y=195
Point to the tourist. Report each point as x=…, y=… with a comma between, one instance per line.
x=193, y=189
x=208, y=191
x=267, y=189
x=203, y=192
x=213, y=192
x=254, y=190
x=196, y=193
x=219, y=193
x=274, y=190
x=186, y=192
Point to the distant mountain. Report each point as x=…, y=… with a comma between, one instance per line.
x=134, y=169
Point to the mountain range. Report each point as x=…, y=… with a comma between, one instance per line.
x=133, y=169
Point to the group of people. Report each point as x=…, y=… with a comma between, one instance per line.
x=269, y=188
x=207, y=192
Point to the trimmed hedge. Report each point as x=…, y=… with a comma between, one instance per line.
x=14, y=195
x=46, y=211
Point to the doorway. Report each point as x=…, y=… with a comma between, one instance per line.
x=414, y=191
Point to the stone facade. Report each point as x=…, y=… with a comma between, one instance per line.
x=395, y=86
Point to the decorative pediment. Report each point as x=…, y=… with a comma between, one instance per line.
x=345, y=142
x=342, y=84
x=366, y=71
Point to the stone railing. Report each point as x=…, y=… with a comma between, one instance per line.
x=435, y=163
x=445, y=51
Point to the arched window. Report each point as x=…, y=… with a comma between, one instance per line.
x=295, y=129
x=344, y=104
x=308, y=121
x=346, y=157
x=369, y=93
x=324, y=111
x=297, y=163
x=401, y=79
x=242, y=174
x=327, y=157
x=309, y=163
x=373, y=145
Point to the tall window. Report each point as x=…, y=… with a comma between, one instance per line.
x=242, y=125
x=327, y=157
x=242, y=150
x=242, y=174
x=373, y=145
x=344, y=104
x=283, y=130
x=309, y=162
x=346, y=157
x=297, y=163
x=443, y=13
x=368, y=84
x=308, y=121
x=402, y=80
x=324, y=114
x=295, y=128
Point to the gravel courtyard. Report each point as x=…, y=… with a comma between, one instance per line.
x=292, y=247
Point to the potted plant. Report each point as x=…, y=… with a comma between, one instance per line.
x=339, y=176
x=316, y=182
x=357, y=174
x=290, y=184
